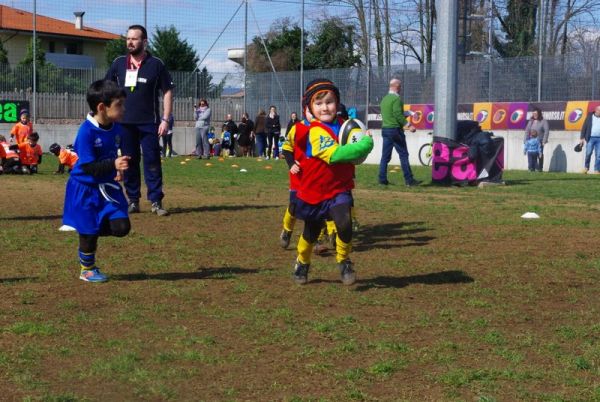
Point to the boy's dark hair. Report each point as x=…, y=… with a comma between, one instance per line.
x=103, y=91
x=55, y=148
x=2, y=138
x=34, y=136
x=140, y=28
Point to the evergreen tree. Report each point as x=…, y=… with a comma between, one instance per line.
x=175, y=52
x=113, y=49
x=519, y=26
x=333, y=46
x=40, y=54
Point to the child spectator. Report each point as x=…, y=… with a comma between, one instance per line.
x=9, y=158
x=94, y=201
x=225, y=143
x=327, y=178
x=246, y=132
x=30, y=154
x=66, y=157
x=232, y=128
x=533, y=150
x=22, y=129
x=167, y=139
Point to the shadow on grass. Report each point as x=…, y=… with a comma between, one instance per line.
x=204, y=273
x=31, y=218
x=434, y=278
x=19, y=279
x=517, y=182
x=391, y=235
x=214, y=208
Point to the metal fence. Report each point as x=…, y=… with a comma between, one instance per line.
x=571, y=77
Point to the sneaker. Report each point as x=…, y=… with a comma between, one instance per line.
x=284, y=238
x=413, y=183
x=585, y=170
x=384, y=182
x=158, y=209
x=347, y=273
x=301, y=273
x=134, y=207
x=92, y=275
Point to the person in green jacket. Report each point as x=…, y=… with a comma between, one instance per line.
x=392, y=133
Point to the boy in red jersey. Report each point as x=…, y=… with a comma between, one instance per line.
x=9, y=158
x=30, y=153
x=326, y=178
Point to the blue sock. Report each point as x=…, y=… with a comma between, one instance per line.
x=87, y=260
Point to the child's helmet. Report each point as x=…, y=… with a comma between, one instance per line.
x=55, y=148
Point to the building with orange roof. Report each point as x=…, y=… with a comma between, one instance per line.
x=66, y=44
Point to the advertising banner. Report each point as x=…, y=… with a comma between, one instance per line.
x=575, y=114
x=10, y=110
x=500, y=116
x=482, y=113
x=517, y=116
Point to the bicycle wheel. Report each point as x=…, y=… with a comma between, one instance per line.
x=425, y=153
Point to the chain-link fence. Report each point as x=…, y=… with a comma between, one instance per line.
x=213, y=29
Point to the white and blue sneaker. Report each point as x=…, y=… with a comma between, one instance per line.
x=93, y=275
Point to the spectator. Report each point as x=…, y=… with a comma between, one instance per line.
x=30, y=154
x=261, y=134
x=203, y=114
x=533, y=149
x=392, y=133
x=293, y=120
x=246, y=132
x=273, y=127
x=230, y=127
x=540, y=126
x=66, y=157
x=143, y=76
x=21, y=129
x=590, y=134
x=168, y=139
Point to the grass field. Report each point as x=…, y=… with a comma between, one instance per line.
x=458, y=298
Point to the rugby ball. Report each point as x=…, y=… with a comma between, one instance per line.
x=351, y=132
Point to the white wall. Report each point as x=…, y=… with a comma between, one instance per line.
x=559, y=154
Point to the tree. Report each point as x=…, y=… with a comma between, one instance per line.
x=206, y=88
x=519, y=26
x=175, y=52
x=114, y=48
x=333, y=46
x=282, y=41
x=3, y=54
x=40, y=54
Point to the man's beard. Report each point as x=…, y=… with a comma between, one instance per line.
x=136, y=51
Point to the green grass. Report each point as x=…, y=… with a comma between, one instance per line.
x=458, y=298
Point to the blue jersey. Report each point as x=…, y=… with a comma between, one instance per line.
x=94, y=144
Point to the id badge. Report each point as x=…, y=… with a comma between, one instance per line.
x=131, y=78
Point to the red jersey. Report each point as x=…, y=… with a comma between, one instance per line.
x=20, y=131
x=29, y=155
x=320, y=180
x=67, y=157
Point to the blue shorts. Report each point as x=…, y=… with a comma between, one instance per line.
x=310, y=212
x=293, y=196
x=86, y=207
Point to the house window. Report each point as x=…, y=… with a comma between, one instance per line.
x=73, y=48
x=52, y=47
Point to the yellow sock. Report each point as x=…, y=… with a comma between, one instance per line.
x=288, y=221
x=322, y=235
x=304, y=250
x=331, y=227
x=342, y=250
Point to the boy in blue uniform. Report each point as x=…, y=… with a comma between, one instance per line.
x=94, y=201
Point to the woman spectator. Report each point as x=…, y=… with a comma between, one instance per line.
x=203, y=114
x=260, y=130
x=293, y=120
x=245, y=132
x=273, y=127
x=538, y=124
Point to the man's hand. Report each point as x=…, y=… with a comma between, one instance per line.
x=122, y=163
x=412, y=128
x=163, y=128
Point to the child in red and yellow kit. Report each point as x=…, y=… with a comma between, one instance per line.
x=22, y=129
x=30, y=154
x=326, y=178
x=9, y=158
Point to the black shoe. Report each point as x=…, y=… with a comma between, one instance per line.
x=384, y=182
x=413, y=183
x=134, y=207
x=284, y=238
x=301, y=273
x=347, y=273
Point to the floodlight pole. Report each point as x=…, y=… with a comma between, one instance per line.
x=33, y=103
x=368, y=89
x=302, y=58
x=245, y=54
x=446, y=69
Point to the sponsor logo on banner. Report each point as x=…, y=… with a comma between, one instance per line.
x=421, y=116
x=499, y=116
x=517, y=116
x=482, y=112
x=575, y=113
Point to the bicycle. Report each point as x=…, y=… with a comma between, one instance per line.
x=426, y=152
